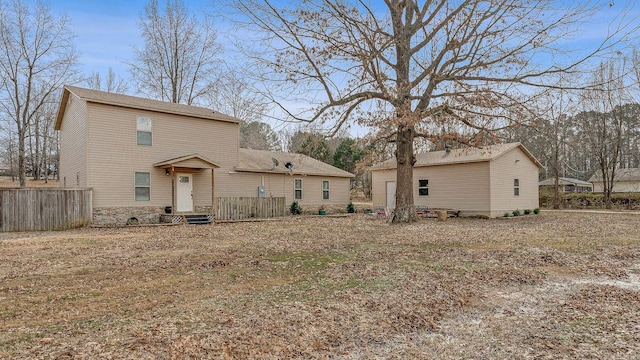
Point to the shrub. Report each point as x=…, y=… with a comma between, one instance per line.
x=516, y=212
x=527, y=211
x=295, y=208
x=506, y=214
x=351, y=208
x=536, y=211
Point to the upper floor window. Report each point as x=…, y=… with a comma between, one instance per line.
x=143, y=130
x=325, y=189
x=516, y=187
x=297, y=189
x=423, y=187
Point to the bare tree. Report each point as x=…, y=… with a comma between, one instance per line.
x=178, y=60
x=403, y=66
x=37, y=57
x=113, y=83
x=601, y=125
x=234, y=96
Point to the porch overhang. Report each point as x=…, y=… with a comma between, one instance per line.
x=193, y=161
x=190, y=164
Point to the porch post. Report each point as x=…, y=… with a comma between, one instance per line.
x=213, y=194
x=173, y=191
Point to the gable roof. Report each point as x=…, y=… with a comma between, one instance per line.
x=460, y=156
x=200, y=162
x=564, y=181
x=262, y=161
x=628, y=174
x=102, y=97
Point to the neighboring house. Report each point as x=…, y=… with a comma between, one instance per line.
x=140, y=156
x=625, y=180
x=567, y=185
x=486, y=181
x=5, y=169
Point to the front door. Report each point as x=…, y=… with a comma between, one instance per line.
x=391, y=194
x=184, y=192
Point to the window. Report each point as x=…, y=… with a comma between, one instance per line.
x=297, y=189
x=423, y=187
x=143, y=186
x=516, y=187
x=143, y=127
x=325, y=189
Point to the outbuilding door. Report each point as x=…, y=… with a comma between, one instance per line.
x=184, y=192
x=391, y=194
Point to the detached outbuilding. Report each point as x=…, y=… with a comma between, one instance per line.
x=486, y=181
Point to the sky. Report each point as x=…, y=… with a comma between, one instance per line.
x=107, y=30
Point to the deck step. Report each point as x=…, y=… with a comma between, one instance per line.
x=199, y=219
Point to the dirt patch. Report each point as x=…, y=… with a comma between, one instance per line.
x=548, y=286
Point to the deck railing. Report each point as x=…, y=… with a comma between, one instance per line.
x=237, y=208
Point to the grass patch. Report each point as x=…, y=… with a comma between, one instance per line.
x=317, y=286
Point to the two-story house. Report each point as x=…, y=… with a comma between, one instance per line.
x=145, y=157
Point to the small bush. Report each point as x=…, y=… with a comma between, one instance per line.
x=506, y=214
x=516, y=212
x=536, y=211
x=295, y=208
x=527, y=211
x=351, y=208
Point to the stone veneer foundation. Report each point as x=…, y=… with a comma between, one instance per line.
x=144, y=215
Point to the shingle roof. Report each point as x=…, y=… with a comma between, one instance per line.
x=564, y=181
x=628, y=174
x=102, y=97
x=459, y=156
x=262, y=161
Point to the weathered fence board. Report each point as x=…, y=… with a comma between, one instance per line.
x=236, y=208
x=44, y=209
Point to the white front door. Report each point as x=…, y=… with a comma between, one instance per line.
x=391, y=194
x=184, y=192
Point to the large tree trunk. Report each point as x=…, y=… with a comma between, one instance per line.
x=405, y=210
x=22, y=166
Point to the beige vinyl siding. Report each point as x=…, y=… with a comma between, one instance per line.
x=457, y=186
x=474, y=188
x=114, y=155
x=246, y=184
x=73, y=144
x=379, y=178
x=513, y=165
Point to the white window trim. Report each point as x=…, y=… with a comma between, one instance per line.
x=516, y=188
x=328, y=190
x=135, y=186
x=296, y=189
x=145, y=131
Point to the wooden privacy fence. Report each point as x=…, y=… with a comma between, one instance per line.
x=44, y=209
x=236, y=208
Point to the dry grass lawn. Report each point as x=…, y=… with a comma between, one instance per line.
x=552, y=286
x=5, y=182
